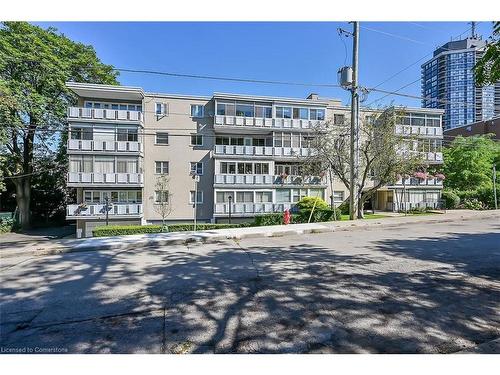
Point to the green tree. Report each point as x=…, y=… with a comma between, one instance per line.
x=35, y=64
x=487, y=68
x=468, y=162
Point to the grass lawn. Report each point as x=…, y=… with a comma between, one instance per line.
x=367, y=216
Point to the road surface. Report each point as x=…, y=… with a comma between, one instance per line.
x=419, y=288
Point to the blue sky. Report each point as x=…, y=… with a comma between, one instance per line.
x=284, y=51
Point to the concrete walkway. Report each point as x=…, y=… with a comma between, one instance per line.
x=58, y=246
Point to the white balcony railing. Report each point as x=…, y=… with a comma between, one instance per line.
x=428, y=156
x=250, y=208
x=89, y=145
x=265, y=179
x=413, y=181
x=419, y=130
x=104, y=114
x=116, y=209
x=263, y=151
x=267, y=122
x=105, y=178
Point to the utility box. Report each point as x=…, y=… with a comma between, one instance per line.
x=345, y=76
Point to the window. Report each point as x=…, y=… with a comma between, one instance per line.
x=263, y=197
x=226, y=109
x=196, y=140
x=124, y=165
x=263, y=112
x=338, y=119
x=223, y=196
x=199, y=197
x=197, y=110
x=301, y=113
x=317, y=114
x=338, y=196
x=104, y=164
x=161, y=167
x=228, y=168
x=81, y=133
x=245, y=168
x=126, y=135
x=197, y=167
x=161, y=196
x=162, y=138
x=283, y=112
x=316, y=193
x=261, y=168
x=283, y=195
x=160, y=109
x=244, y=110
x=298, y=194
x=244, y=197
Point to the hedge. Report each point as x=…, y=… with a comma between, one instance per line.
x=451, y=200
x=119, y=230
x=297, y=218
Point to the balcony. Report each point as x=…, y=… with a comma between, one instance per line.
x=104, y=114
x=430, y=131
x=118, y=146
x=418, y=182
x=263, y=151
x=76, y=179
x=279, y=123
x=98, y=210
x=250, y=209
x=264, y=179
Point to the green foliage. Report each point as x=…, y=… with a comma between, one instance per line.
x=473, y=204
x=120, y=230
x=7, y=224
x=344, y=208
x=479, y=199
x=301, y=217
x=487, y=68
x=269, y=219
x=451, y=199
x=468, y=162
x=307, y=203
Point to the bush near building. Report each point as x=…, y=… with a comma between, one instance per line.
x=451, y=199
x=120, y=230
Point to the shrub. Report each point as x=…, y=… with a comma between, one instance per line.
x=451, y=199
x=317, y=216
x=307, y=203
x=344, y=208
x=119, y=230
x=6, y=225
x=473, y=204
x=269, y=219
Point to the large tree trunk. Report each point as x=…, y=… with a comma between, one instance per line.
x=23, y=200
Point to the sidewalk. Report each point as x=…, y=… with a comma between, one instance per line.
x=177, y=238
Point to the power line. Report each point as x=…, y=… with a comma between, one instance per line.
x=395, y=36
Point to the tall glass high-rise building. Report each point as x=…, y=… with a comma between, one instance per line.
x=448, y=83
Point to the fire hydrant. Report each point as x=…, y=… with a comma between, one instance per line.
x=287, y=216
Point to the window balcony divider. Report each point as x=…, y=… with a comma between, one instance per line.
x=105, y=178
x=104, y=114
x=98, y=209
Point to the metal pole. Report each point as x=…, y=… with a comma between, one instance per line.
x=106, y=207
x=354, y=152
x=495, y=186
x=195, y=199
x=229, y=199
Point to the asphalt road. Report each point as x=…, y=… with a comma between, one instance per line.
x=415, y=289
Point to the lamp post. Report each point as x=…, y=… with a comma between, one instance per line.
x=106, y=208
x=230, y=198
x=196, y=178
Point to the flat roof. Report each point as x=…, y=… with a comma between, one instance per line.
x=94, y=90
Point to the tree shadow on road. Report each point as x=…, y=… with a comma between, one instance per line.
x=401, y=296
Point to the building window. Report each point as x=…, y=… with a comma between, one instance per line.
x=261, y=168
x=126, y=135
x=162, y=138
x=196, y=140
x=317, y=114
x=298, y=194
x=263, y=112
x=223, y=196
x=81, y=133
x=338, y=119
x=301, y=113
x=161, y=196
x=338, y=196
x=161, y=167
x=196, y=167
x=244, y=197
x=263, y=197
x=283, y=112
x=226, y=109
x=283, y=195
x=228, y=168
x=244, y=110
x=160, y=109
x=197, y=110
x=199, y=197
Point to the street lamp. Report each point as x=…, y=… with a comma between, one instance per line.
x=230, y=198
x=196, y=179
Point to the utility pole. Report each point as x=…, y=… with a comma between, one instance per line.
x=354, y=154
x=495, y=186
x=106, y=208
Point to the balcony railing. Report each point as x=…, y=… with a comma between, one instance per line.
x=412, y=181
x=267, y=122
x=419, y=130
x=263, y=151
x=246, y=209
x=116, y=209
x=105, y=178
x=89, y=145
x=265, y=179
x=428, y=156
x=104, y=114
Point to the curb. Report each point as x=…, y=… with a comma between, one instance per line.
x=202, y=237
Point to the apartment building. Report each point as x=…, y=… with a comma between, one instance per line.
x=226, y=157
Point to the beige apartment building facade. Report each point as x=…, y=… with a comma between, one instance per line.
x=225, y=156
